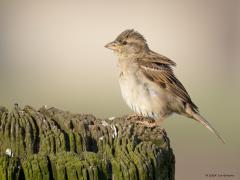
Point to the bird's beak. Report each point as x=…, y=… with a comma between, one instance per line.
x=112, y=45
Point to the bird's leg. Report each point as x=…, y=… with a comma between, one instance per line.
x=159, y=121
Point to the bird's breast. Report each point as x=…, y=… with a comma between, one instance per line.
x=141, y=95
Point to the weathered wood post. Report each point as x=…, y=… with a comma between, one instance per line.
x=54, y=144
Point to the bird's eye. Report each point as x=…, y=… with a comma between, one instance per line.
x=124, y=42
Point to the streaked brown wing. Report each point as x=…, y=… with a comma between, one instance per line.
x=162, y=74
x=158, y=58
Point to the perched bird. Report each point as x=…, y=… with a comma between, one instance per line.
x=147, y=82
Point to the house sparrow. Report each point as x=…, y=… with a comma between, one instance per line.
x=147, y=82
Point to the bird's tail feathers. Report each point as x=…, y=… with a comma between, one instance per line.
x=205, y=123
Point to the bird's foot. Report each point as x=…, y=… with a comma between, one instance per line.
x=135, y=117
x=148, y=123
x=144, y=121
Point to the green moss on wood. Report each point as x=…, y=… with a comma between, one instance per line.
x=49, y=144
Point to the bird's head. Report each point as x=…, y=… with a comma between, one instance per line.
x=128, y=43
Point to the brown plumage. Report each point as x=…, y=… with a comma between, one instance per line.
x=163, y=75
x=147, y=81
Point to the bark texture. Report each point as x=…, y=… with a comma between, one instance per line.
x=50, y=143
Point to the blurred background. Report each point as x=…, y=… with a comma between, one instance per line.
x=52, y=52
